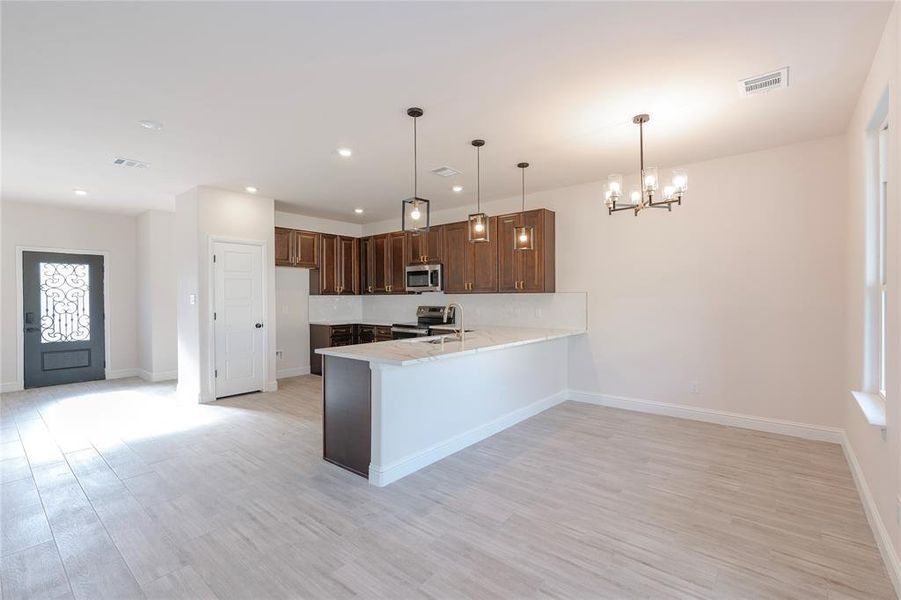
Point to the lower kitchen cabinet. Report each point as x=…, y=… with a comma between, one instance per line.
x=345, y=334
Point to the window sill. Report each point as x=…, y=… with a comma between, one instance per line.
x=872, y=406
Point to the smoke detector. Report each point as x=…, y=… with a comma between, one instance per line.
x=444, y=171
x=128, y=162
x=764, y=83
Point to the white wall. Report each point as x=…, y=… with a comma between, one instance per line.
x=878, y=457
x=202, y=214
x=739, y=290
x=156, y=293
x=51, y=227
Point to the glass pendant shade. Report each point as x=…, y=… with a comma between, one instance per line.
x=649, y=179
x=680, y=180
x=478, y=228
x=615, y=187
x=415, y=215
x=635, y=196
x=523, y=238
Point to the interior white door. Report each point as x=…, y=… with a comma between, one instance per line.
x=238, y=318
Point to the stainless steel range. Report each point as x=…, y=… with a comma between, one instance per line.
x=426, y=318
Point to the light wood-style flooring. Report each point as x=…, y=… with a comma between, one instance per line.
x=115, y=490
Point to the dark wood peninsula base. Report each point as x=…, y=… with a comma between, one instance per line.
x=346, y=414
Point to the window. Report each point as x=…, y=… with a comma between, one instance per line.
x=882, y=195
x=65, y=303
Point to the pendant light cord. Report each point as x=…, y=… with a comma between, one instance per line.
x=523, y=190
x=478, y=179
x=641, y=149
x=415, y=162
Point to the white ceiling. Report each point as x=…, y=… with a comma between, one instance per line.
x=263, y=93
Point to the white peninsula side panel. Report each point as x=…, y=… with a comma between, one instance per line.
x=424, y=412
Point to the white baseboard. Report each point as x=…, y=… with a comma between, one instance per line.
x=271, y=386
x=122, y=373
x=802, y=430
x=292, y=372
x=880, y=532
x=11, y=386
x=157, y=375
x=383, y=475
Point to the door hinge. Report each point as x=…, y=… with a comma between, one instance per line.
x=216, y=373
x=214, y=316
x=214, y=258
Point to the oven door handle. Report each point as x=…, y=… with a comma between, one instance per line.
x=409, y=330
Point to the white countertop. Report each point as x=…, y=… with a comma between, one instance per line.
x=352, y=322
x=417, y=350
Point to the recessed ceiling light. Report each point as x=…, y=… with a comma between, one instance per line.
x=80, y=192
x=148, y=124
x=457, y=188
x=250, y=189
x=359, y=211
x=345, y=152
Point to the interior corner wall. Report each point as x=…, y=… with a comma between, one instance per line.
x=292, y=290
x=51, y=227
x=739, y=291
x=878, y=457
x=202, y=215
x=157, y=279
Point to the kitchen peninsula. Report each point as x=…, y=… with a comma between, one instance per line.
x=392, y=408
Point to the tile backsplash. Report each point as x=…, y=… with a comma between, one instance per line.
x=561, y=310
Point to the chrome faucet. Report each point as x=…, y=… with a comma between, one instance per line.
x=461, y=332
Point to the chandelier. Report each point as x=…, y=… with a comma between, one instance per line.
x=645, y=195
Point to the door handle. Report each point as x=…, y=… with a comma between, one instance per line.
x=259, y=325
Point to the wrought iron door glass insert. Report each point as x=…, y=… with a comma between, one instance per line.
x=65, y=302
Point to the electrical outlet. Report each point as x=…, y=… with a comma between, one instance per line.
x=694, y=387
x=279, y=355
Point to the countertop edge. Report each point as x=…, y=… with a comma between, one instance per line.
x=404, y=363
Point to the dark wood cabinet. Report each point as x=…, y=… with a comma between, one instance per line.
x=374, y=261
x=347, y=414
x=384, y=263
x=282, y=247
x=527, y=270
x=296, y=248
x=468, y=266
x=377, y=264
x=348, y=265
x=339, y=266
x=426, y=246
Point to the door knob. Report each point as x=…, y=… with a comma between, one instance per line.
x=259, y=325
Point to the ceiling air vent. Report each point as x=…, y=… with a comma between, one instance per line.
x=127, y=162
x=444, y=171
x=764, y=83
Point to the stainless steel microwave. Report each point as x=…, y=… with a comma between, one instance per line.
x=424, y=278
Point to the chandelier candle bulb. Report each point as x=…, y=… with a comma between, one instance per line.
x=668, y=192
x=680, y=180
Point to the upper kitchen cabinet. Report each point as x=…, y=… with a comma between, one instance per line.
x=426, y=246
x=397, y=262
x=469, y=266
x=526, y=270
x=339, y=266
x=296, y=248
x=384, y=259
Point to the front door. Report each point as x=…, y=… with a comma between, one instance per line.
x=62, y=298
x=238, y=318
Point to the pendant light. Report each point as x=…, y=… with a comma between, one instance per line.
x=414, y=212
x=478, y=222
x=523, y=236
x=644, y=195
